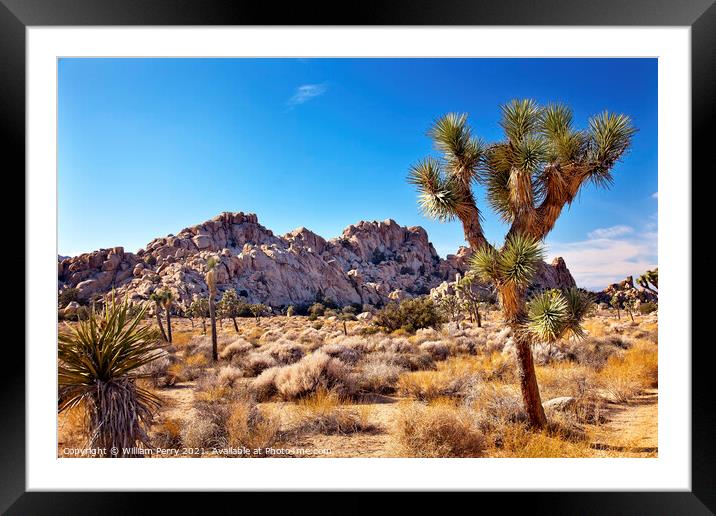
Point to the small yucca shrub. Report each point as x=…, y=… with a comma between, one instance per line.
x=100, y=360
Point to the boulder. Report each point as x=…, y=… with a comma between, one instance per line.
x=560, y=404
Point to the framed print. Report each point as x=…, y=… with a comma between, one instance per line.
x=414, y=250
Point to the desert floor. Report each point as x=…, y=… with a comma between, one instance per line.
x=292, y=387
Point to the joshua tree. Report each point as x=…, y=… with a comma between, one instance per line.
x=99, y=362
x=167, y=302
x=200, y=308
x=615, y=302
x=211, y=284
x=229, y=306
x=158, y=298
x=471, y=298
x=258, y=310
x=630, y=306
x=451, y=306
x=539, y=167
x=650, y=278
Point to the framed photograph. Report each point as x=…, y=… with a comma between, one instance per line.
x=417, y=249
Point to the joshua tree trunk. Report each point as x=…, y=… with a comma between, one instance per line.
x=203, y=326
x=631, y=315
x=345, y=329
x=236, y=326
x=513, y=305
x=169, y=326
x=478, y=316
x=212, y=315
x=191, y=320
x=161, y=327
x=472, y=228
x=528, y=383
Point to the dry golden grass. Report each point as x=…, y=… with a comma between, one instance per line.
x=323, y=412
x=624, y=377
x=440, y=429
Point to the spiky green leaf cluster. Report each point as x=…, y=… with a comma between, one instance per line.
x=439, y=196
x=514, y=264
x=553, y=313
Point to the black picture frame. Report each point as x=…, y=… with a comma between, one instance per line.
x=17, y=15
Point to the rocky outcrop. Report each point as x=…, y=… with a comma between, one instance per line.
x=369, y=263
x=624, y=291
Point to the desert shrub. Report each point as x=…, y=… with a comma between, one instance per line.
x=595, y=351
x=322, y=413
x=437, y=349
x=495, y=409
x=439, y=430
x=317, y=325
x=257, y=362
x=285, y=352
x=345, y=354
x=409, y=315
x=236, y=349
x=314, y=371
x=67, y=296
x=647, y=308
x=410, y=361
x=377, y=376
x=316, y=310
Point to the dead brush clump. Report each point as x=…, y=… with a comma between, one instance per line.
x=436, y=430
x=322, y=413
x=230, y=426
x=167, y=434
x=314, y=371
x=237, y=348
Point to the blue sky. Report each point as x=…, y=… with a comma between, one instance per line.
x=147, y=147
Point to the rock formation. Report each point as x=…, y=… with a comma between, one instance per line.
x=370, y=263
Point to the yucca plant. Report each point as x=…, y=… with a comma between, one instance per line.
x=100, y=359
x=211, y=284
x=538, y=168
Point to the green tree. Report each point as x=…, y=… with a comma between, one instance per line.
x=99, y=362
x=211, y=284
x=530, y=176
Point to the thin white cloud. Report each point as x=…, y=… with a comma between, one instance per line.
x=601, y=260
x=655, y=195
x=306, y=92
x=610, y=232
